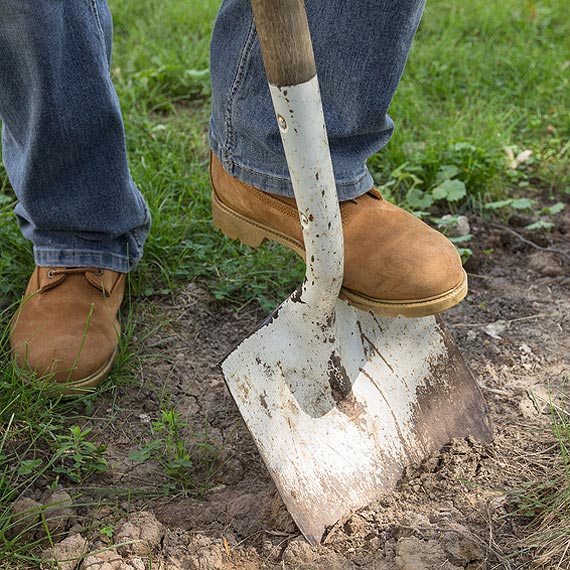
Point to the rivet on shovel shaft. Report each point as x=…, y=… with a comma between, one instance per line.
x=282, y=122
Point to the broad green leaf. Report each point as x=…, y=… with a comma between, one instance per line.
x=418, y=199
x=28, y=466
x=554, y=209
x=498, y=204
x=523, y=204
x=461, y=146
x=461, y=239
x=465, y=253
x=450, y=190
x=446, y=172
x=146, y=451
x=446, y=222
x=540, y=225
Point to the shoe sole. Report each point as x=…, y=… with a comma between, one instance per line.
x=253, y=234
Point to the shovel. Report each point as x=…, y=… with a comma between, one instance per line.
x=338, y=401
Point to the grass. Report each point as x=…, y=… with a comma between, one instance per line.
x=481, y=78
x=543, y=504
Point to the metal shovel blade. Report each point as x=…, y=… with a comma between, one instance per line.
x=338, y=409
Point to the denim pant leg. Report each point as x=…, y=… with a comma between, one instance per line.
x=63, y=139
x=360, y=50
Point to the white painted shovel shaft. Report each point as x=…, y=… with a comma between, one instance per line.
x=303, y=132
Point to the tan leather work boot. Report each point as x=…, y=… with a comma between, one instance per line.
x=395, y=264
x=66, y=328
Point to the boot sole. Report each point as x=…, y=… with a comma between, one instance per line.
x=253, y=234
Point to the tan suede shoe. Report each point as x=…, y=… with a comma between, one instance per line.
x=395, y=264
x=66, y=328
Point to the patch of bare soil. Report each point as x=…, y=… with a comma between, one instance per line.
x=448, y=513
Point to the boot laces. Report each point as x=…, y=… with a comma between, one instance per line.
x=97, y=271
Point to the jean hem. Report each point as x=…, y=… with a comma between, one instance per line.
x=347, y=189
x=84, y=258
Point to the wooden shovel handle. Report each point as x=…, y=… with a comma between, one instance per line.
x=285, y=41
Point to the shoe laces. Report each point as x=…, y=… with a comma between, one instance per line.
x=52, y=273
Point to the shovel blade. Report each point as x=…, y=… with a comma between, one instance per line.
x=337, y=410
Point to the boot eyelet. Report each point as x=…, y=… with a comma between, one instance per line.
x=98, y=273
x=50, y=274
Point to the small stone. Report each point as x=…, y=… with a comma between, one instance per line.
x=471, y=335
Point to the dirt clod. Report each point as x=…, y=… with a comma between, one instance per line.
x=58, y=514
x=143, y=532
x=193, y=552
x=299, y=550
x=65, y=555
x=106, y=560
x=25, y=518
x=415, y=554
x=544, y=263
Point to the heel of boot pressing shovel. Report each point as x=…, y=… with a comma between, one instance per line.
x=235, y=226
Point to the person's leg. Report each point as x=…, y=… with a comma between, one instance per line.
x=65, y=155
x=63, y=138
x=360, y=51
x=394, y=263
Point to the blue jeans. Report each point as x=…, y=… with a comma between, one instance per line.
x=360, y=49
x=63, y=141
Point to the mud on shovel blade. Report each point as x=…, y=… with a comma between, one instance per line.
x=338, y=401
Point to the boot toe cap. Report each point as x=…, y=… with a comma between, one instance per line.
x=65, y=361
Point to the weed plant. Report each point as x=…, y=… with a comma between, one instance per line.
x=178, y=449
